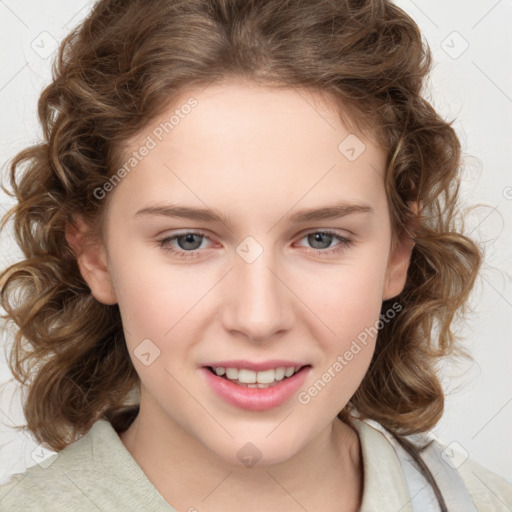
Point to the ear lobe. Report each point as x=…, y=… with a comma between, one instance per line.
x=91, y=260
x=398, y=264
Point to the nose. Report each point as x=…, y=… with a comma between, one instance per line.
x=259, y=304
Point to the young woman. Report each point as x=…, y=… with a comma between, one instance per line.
x=242, y=261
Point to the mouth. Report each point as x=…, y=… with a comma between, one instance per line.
x=255, y=390
x=256, y=379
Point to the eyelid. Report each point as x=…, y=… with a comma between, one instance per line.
x=331, y=231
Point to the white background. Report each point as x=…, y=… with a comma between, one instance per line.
x=473, y=85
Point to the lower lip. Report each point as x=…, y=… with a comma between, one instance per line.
x=256, y=399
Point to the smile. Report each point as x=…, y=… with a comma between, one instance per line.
x=255, y=390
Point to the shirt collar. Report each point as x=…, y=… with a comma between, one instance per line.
x=384, y=488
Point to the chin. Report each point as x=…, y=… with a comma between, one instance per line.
x=248, y=451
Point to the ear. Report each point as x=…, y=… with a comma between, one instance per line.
x=398, y=264
x=92, y=262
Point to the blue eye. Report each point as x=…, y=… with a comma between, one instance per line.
x=185, y=240
x=326, y=237
x=186, y=245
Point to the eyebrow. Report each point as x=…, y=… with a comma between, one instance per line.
x=333, y=211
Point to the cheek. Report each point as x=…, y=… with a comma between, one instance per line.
x=349, y=310
x=158, y=313
x=347, y=298
x=348, y=303
x=152, y=295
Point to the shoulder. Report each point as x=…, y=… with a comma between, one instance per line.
x=460, y=479
x=57, y=476
x=96, y=472
x=488, y=490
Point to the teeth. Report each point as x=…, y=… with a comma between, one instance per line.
x=289, y=372
x=256, y=379
x=247, y=376
x=265, y=377
x=232, y=373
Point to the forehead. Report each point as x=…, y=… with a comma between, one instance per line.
x=243, y=144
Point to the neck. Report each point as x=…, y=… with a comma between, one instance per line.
x=324, y=475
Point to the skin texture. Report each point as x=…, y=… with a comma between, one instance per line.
x=257, y=155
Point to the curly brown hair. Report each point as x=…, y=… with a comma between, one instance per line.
x=114, y=73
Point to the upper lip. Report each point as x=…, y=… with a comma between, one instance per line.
x=257, y=366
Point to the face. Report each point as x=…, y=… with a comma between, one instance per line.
x=254, y=235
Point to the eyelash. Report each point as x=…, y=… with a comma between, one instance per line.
x=345, y=243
